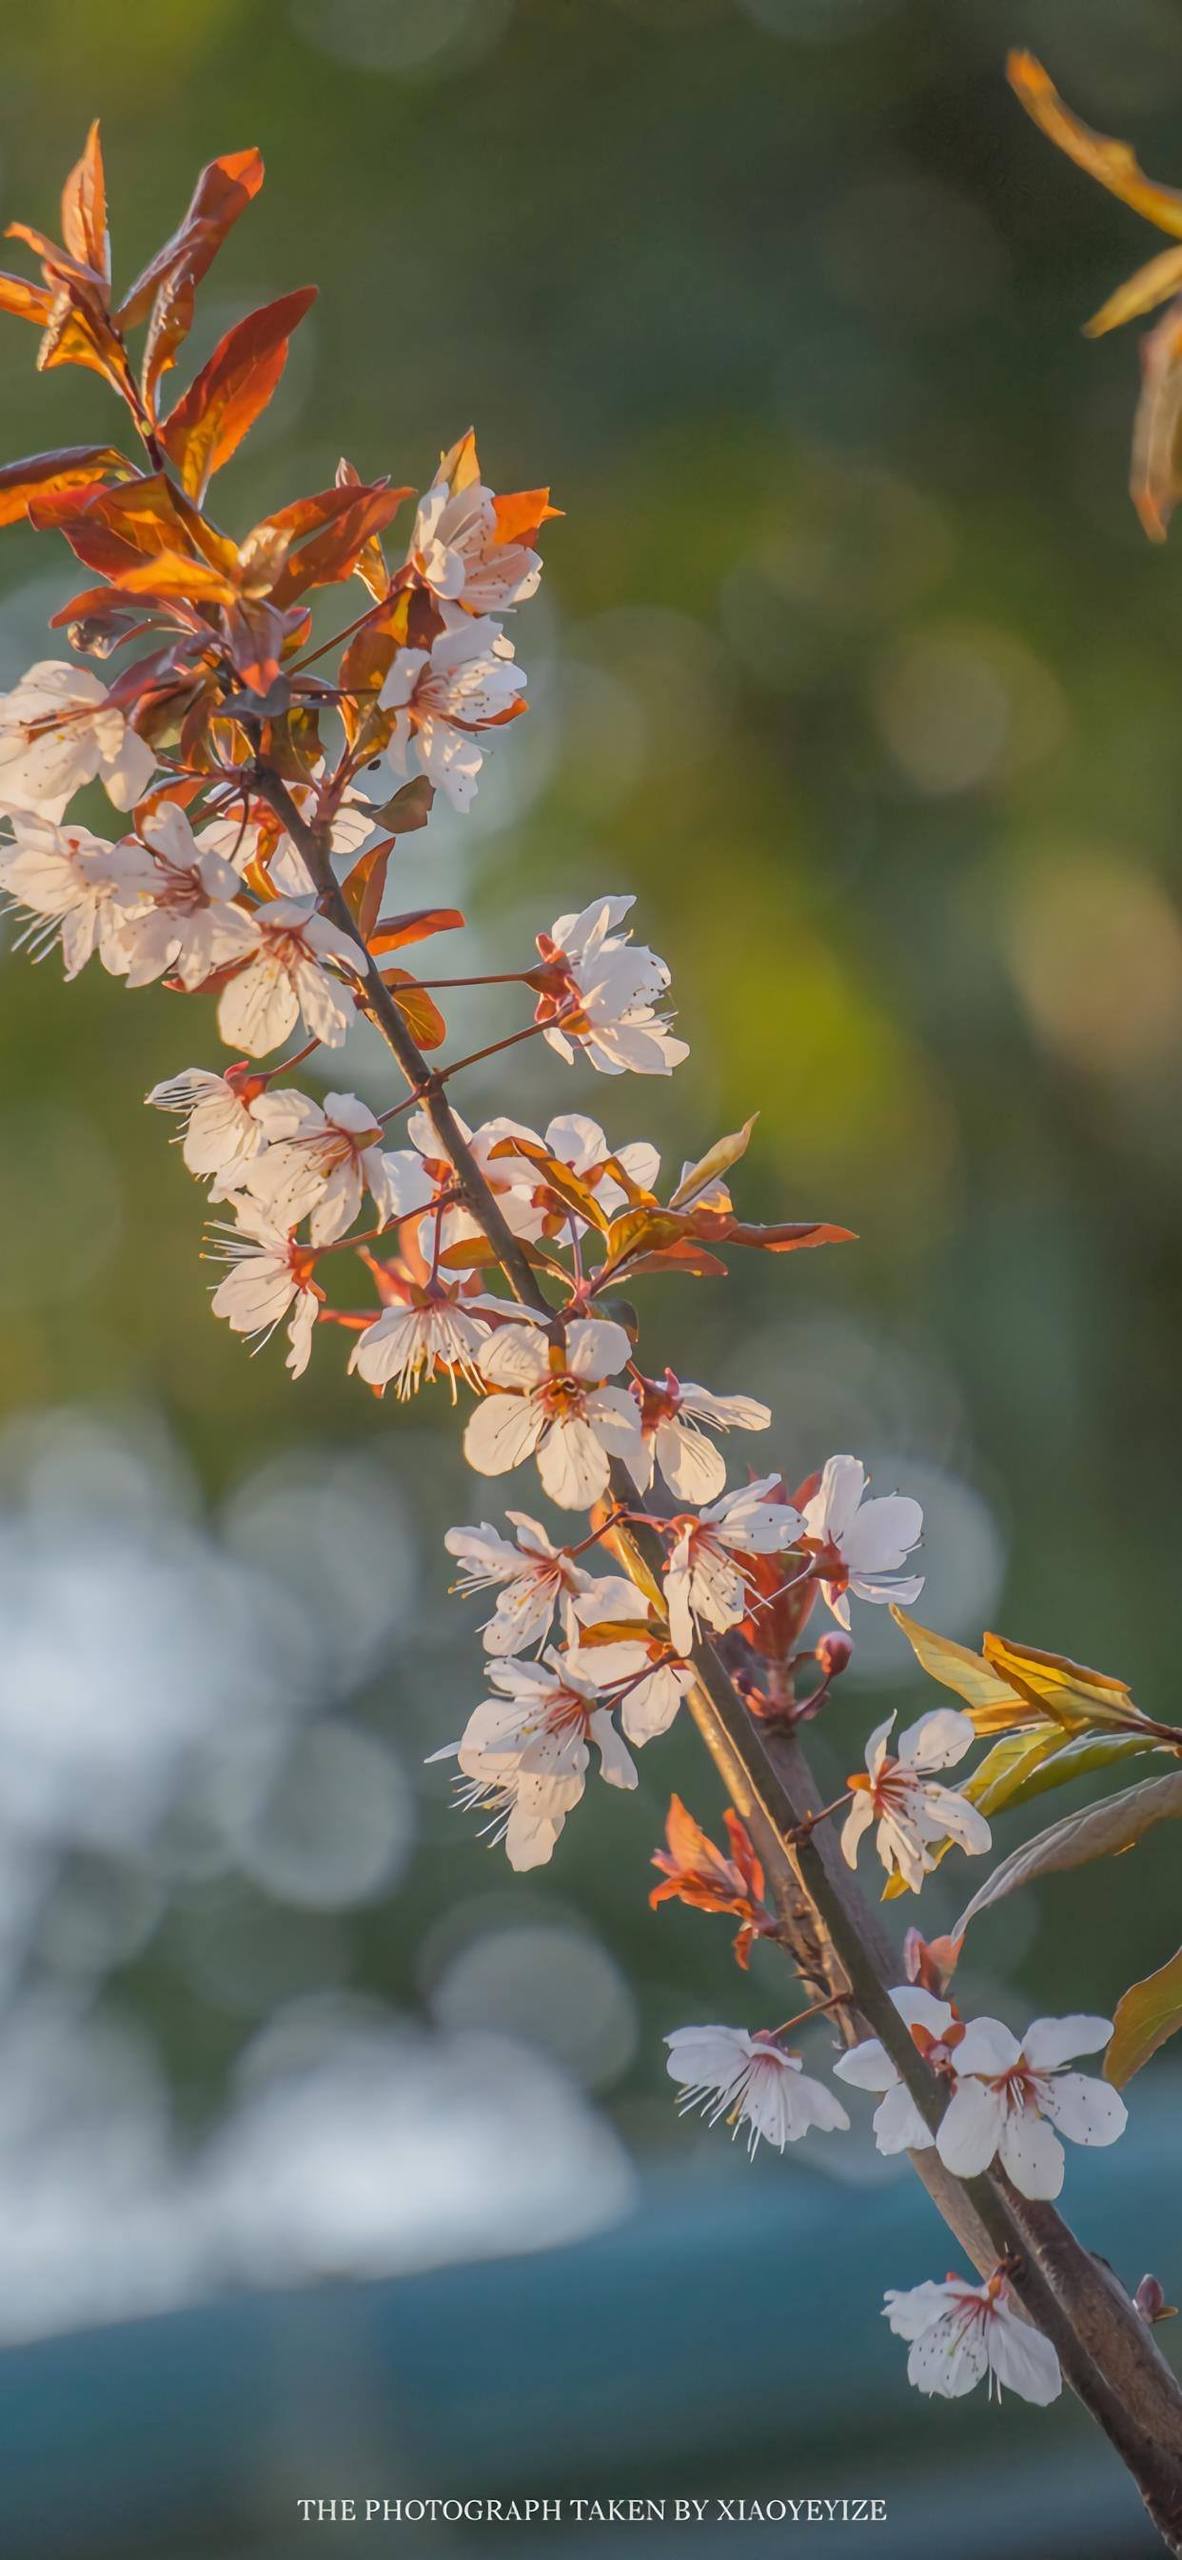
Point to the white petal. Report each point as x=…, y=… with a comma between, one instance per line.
x=937, y=1740
x=516, y=1355
x=572, y=1464
x=1052, y=2041
x=595, y=1348
x=501, y=1431
x=692, y=1467
x=986, y=2047
x=970, y=2128
x=1086, y=2110
x=899, y=2126
x=1023, y=2360
x=1031, y=2154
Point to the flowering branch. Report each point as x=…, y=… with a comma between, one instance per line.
x=254, y=868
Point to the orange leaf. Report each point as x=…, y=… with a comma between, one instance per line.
x=785, y=1239
x=168, y=285
x=232, y=390
x=395, y=932
x=365, y=885
x=84, y=210
x=521, y=515
x=420, y=1013
x=331, y=554
x=43, y=475
x=24, y=300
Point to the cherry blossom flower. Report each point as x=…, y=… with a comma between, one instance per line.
x=1012, y=2101
x=63, y=880
x=319, y=1160
x=532, y=1744
x=548, y=1399
x=177, y=899
x=670, y=1412
x=532, y=1578
x=270, y=1273
x=655, y=1684
x=599, y=992
x=959, y=2332
x=860, y=1545
x=221, y=1134
x=898, y=2124
x=459, y=551
x=531, y=1207
x=425, y=1331
x=706, y=1582
x=287, y=977
x=751, y=2080
x=467, y=681
x=502, y=1174
x=911, y=1812
x=58, y=730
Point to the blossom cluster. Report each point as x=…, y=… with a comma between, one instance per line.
x=261, y=805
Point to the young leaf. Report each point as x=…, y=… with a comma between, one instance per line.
x=168, y=285
x=395, y=933
x=1076, y=1697
x=419, y=1011
x=994, y=1706
x=711, y=1167
x=232, y=390
x=45, y=475
x=25, y=301
x=84, y=210
x=1100, y=1831
x=1149, y=2013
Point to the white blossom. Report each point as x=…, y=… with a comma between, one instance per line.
x=443, y=697
x=287, y=978
x=912, y=1813
x=751, y=2080
x=62, y=880
x=671, y=1412
x=177, y=900
x=705, y=1580
x=270, y=1277
x=459, y=553
x=529, y=1749
x=425, y=1331
x=221, y=1134
x=602, y=994
x=58, y=731
x=531, y=1576
x=321, y=1157
x=861, y=1545
x=960, y=2332
x=653, y=1685
x=1012, y=2101
x=548, y=1399
x=898, y=2124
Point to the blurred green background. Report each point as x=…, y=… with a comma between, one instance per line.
x=851, y=661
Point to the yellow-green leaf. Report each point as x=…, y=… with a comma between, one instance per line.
x=992, y=1703
x=1100, y=1831
x=711, y=1167
x=1149, y=2013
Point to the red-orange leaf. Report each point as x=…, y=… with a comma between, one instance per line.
x=25, y=301
x=168, y=284
x=394, y=933
x=232, y=390
x=84, y=210
x=43, y=475
x=521, y=514
x=419, y=1011
x=346, y=526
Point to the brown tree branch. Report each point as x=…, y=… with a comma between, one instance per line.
x=1108, y=2354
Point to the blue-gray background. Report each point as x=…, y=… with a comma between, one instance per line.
x=851, y=660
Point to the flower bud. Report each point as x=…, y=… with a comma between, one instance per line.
x=835, y=1652
x=1150, y=2300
